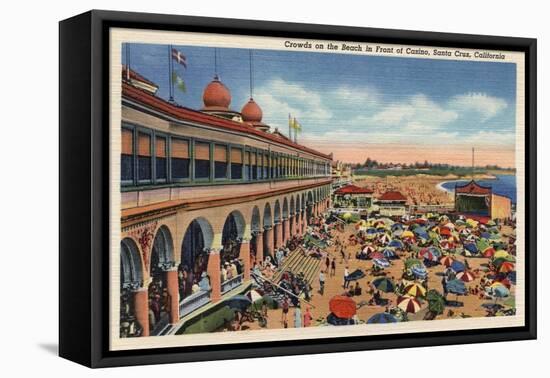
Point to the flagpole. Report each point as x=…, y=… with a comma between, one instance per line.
x=171, y=73
x=289, y=127
x=128, y=62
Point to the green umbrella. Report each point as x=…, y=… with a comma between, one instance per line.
x=436, y=302
x=412, y=262
x=384, y=284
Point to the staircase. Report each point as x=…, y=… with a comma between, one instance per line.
x=297, y=262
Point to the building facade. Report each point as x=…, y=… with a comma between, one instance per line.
x=204, y=193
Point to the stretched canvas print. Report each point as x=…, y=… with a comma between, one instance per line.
x=267, y=189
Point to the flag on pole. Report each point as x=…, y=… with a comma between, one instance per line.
x=179, y=57
x=296, y=125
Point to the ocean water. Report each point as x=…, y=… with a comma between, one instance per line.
x=504, y=185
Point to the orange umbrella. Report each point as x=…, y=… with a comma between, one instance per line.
x=506, y=267
x=342, y=306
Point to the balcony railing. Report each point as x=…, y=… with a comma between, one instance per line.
x=231, y=283
x=194, y=302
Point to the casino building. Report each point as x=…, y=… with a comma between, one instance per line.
x=202, y=190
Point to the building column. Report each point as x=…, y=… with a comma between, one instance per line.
x=298, y=224
x=173, y=292
x=214, y=273
x=279, y=231
x=259, y=247
x=244, y=255
x=305, y=223
x=286, y=230
x=141, y=309
x=269, y=241
x=292, y=222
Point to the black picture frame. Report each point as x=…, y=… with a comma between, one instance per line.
x=84, y=188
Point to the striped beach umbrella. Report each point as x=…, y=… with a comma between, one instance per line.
x=466, y=276
x=381, y=263
x=447, y=261
x=376, y=255
x=489, y=252
x=415, y=290
x=408, y=304
x=427, y=254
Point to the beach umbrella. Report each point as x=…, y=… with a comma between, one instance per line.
x=381, y=263
x=471, y=247
x=384, y=284
x=369, y=249
x=395, y=243
x=505, y=281
x=382, y=318
x=342, y=306
x=466, y=276
x=384, y=239
x=489, y=252
x=456, y=287
x=397, y=226
x=371, y=231
x=408, y=304
x=498, y=290
x=501, y=254
x=238, y=302
x=447, y=261
x=436, y=302
x=472, y=223
x=445, y=231
x=506, y=267
x=421, y=232
x=415, y=290
x=407, y=234
x=427, y=254
x=482, y=244
x=409, y=263
x=419, y=271
x=376, y=255
x=389, y=254
x=458, y=266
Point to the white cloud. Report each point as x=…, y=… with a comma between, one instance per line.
x=486, y=106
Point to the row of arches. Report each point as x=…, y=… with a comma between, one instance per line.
x=207, y=262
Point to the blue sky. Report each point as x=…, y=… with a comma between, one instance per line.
x=356, y=102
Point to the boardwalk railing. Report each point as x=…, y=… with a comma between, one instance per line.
x=231, y=283
x=194, y=302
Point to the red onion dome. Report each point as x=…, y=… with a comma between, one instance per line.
x=251, y=112
x=216, y=95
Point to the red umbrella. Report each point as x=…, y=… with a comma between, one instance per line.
x=342, y=307
x=489, y=252
x=445, y=231
x=425, y=253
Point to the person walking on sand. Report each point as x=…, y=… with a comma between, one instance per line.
x=284, y=308
x=297, y=317
x=346, y=281
x=322, y=282
x=333, y=267
x=307, y=317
